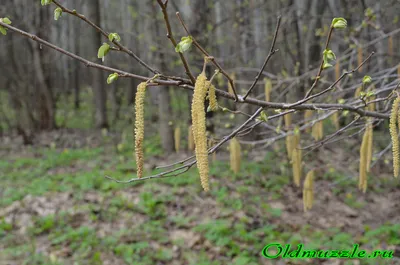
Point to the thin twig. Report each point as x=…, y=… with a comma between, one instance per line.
x=216, y=64
x=270, y=54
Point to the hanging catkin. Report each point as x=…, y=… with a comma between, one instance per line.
x=370, y=148
x=318, y=130
x=211, y=96
x=362, y=183
x=267, y=89
x=394, y=135
x=235, y=155
x=230, y=89
x=308, y=191
x=139, y=127
x=190, y=139
x=359, y=58
x=296, y=158
x=177, y=139
x=289, y=145
x=335, y=120
x=390, y=46
x=307, y=116
x=288, y=120
x=337, y=70
x=199, y=129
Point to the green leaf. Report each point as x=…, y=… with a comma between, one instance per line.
x=3, y=30
x=103, y=50
x=6, y=20
x=339, y=23
x=329, y=55
x=184, y=44
x=327, y=65
x=114, y=36
x=112, y=77
x=46, y=2
x=367, y=80
x=57, y=13
x=263, y=117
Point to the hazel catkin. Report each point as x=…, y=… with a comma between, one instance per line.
x=235, y=155
x=393, y=123
x=308, y=191
x=139, y=127
x=199, y=129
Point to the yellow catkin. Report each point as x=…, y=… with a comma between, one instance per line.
x=362, y=180
x=212, y=97
x=372, y=106
x=307, y=117
x=268, y=89
x=390, y=46
x=370, y=147
x=394, y=135
x=177, y=139
x=308, y=191
x=235, y=155
x=318, y=130
x=190, y=139
x=199, y=129
x=288, y=120
x=289, y=145
x=139, y=127
x=337, y=70
x=359, y=58
x=296, y=158
x=230, y=89
x=335, y=120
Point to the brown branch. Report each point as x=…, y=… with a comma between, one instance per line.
x=212, y=59
x=105, y=34
x=270, y=54
x=172, y=39
x=321, y=67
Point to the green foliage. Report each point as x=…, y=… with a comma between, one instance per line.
x=57, y=13
x=46, y=2
x=103, y=50
x=7, y=21
x=367, y=80
x=112, y=77
x=184, y=44
x=114, y=36
x=339, y=23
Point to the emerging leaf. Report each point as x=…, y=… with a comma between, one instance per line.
x=112, y=77
x=339, y=23
x=329, y=55
x=3, y=30
x=367, y=80
x=103, y=50
x=184, y=44
x=327, y=65
x=57, y=13
x=114, y=36
x=6, y=20
x=45, y=2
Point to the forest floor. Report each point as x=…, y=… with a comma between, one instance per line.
x=56, y=207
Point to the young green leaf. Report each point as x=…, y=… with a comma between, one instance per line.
x=3, y=30
x=112, y=77
x=329, y=55
x=114, y=36
x=45, y=2
x=6, y=20
x=184, y=44
x=367, y=80
x=103, y=50
x=57, y=13
x=339, y=23
x=327, y=65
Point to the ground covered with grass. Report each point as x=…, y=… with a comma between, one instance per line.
x=56, y=207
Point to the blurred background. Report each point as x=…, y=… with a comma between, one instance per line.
x=63, y=129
